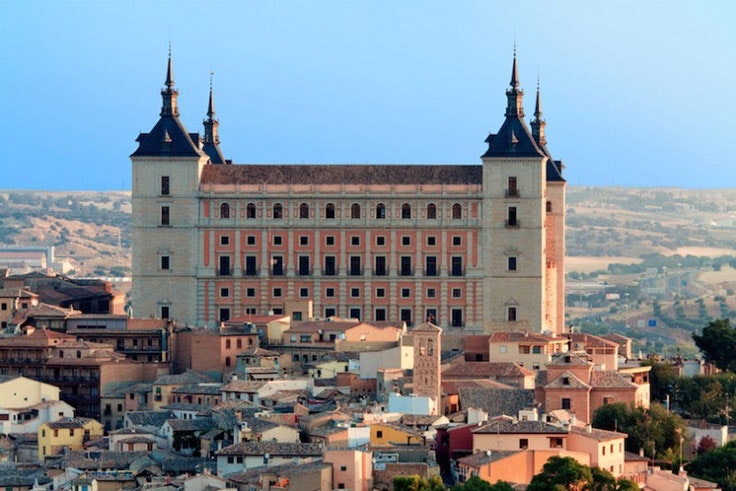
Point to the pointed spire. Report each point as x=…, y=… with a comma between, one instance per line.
x=514, y=72
x=169, y=94
x=538, y=123
x=514, y=95
x=211, y=105
x=211, y=134
x=169, y=72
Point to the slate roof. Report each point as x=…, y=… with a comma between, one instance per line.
x=570, y=358
x=209, y=389
x=513, y=140
x=84, y=459
x=506, y=426
x=254, y=476
x=486, y=369
x=16, y=293
x=188, y=377
x=454, y=386
x=168, y=137
x=518, y=336
x=185, y=406
x=258, y=425
x=197, y=424
x=290, y=174
x=274, y=449
x=496, y=401
x=248, y=386
x=418, y=419
x=611, y=380
x=68, y=423
x=149, y=418
x=258, y=351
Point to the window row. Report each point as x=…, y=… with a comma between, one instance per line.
x=330, y=211
x=330, y=292
x=330, y=267
x=354, y=240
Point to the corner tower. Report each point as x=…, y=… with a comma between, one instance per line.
x=166, y=167
x=521, y=291
x=211, y=132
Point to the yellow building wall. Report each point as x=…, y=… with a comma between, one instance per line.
x=51, y=441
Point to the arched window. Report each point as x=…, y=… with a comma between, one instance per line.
x=549, y=207
x=278, y=211
x=457, y=211
x=431, y=211
x=250, y=211
x=224, y=210
x=330, y=211
x=405, y=211
x=61, y=354
x=304, y=210
x=381, y=211
x=355, y=211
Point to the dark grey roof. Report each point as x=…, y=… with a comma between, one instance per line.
x=513, y=140
x=505, y=426
x=170, y=138
x=339, y=174
x=149, y=418
x=496, y=401
x=186, y=378
x=274, y=449
x=197, y=424
x=198, y=389
x=213, y=152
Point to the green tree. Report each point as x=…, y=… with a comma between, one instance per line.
x=717, y=465
x=417, y=483
x=562, y=473
x=662, y=379
x=656, y=430
x=475, y=483
x=718, y=343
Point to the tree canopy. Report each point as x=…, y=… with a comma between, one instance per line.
x=717, y=465
x=567, y=474
x=417, y=483
x=656, y=430
x=718, y=344
x=475, y=483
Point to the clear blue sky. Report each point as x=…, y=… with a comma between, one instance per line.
x=634, y=93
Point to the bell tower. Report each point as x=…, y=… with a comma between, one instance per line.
x=427, y=348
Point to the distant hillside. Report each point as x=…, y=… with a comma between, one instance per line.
x=92, y=229
x=89, y=229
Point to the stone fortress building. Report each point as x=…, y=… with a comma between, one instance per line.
x=469, y=247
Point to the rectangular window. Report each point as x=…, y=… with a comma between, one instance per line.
x=456, y=316
x=355, y=292
x=303, y=240
x=224, y=266
x=431, y=240
x=512, y=263
x=165, y=185
x=330, y=269
x=165, y=264
x=380, y=292
x=405, y=315
x=4, y=306
x=330, y=240
x=523, y=443
x=512, y=190
x=430, y=266
x=277, y=266
x=380, y=315
x=329, y=292
x=304, y=269
x=406, y=266
x=457, y=293
x=380, y=266
x=250, y=292
x=224, y=292
x=277, y=292
x=457, y=240
x=355, y=313
x=304, y=292
x=224, y=315
x=277, y=240
x=355, y=240
x=380, y=240
x=164, y=312
x=250, y=240
x=566, y=403
x=224, y=240
x=405, y=292
x=431, y=316
x=511, y=314
x=405, y=240
x=355, y=269
x=512, y=221
x=250, y=266
x=431, y=293
x=457, y=266
x=165, y=215
x=330, y=312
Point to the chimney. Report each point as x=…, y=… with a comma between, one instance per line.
x=589, y=428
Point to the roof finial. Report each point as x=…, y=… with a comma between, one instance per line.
x=169, y=71
x=514, y=72
x=538, y=104
x=211, y=105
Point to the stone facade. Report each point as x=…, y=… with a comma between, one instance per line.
x=470, y=247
